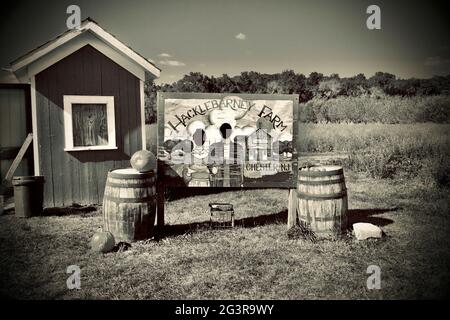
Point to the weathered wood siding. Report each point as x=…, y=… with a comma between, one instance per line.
x=80, y=176
x=15, y=124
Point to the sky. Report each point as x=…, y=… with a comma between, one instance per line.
x=216, y=37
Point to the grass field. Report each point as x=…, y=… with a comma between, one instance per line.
x=254, y=260
x=257, y=259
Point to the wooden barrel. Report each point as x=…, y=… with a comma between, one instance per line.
x=129, y=204
x=322, y=200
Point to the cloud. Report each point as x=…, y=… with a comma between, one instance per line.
x=172, y=63
x=166, y=61
x=240, y=36
x=436, y=61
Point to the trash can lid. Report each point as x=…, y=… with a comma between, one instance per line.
x=27, y=179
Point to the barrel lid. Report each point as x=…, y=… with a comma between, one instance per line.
x=321, y=168
x=128, y=173
x=315, y=171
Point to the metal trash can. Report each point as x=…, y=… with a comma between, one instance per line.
x=28, y=195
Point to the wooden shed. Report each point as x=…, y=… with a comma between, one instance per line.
x=87, y=110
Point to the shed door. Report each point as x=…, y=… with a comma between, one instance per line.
x=15, y=124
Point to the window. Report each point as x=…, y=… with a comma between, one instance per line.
x=89, y=123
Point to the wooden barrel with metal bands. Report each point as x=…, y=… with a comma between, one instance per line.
x=129, y=204
x=322, y=200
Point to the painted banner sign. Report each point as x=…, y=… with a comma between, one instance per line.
x=227, y=140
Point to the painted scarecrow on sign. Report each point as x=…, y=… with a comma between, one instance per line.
x=196, y=173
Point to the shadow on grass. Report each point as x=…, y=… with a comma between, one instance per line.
x=366, y=215
x=177, y=193
x=354, y=216
x=72, y=210
x=249, y=222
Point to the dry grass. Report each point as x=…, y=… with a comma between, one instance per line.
x=385, y=150
x=420, y=138
x=256, y=260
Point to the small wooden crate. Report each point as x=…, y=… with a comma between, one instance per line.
x=222, y=215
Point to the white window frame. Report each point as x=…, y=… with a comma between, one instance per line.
x=68, y=128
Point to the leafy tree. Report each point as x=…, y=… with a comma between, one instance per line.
x=226, y=84
x=382, y=80
x=150, y=92
x=195, y=82
x=330, y=88
x=314, y=79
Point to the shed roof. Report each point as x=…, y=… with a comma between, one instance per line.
x=93, y=27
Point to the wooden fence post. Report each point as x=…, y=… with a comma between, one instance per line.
x=160, y=199
x=292, y=209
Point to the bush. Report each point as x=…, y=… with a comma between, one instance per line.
x=377, y=108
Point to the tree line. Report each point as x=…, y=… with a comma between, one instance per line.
x=314, y=86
